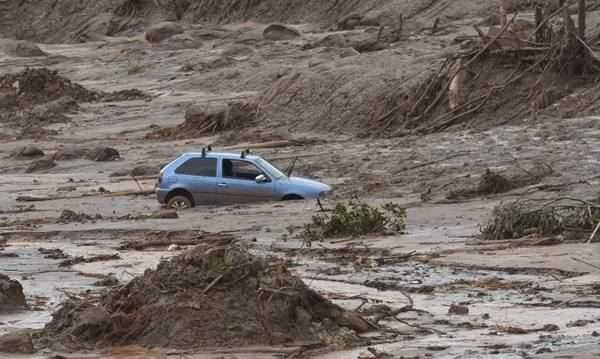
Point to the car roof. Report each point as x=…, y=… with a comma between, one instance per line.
x=229, y=155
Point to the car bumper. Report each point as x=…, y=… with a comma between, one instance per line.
x=161, y=195
x=326, y=193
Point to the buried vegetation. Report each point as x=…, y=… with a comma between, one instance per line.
x=521, y=218
x=355, y=218
x=208, y=296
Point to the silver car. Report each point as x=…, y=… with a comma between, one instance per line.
x=226, y=178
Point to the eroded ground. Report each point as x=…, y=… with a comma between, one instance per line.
x=525, y=298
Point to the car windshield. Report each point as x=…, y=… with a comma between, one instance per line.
x=273, y=171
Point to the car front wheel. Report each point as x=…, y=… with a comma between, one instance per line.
x=180, y=202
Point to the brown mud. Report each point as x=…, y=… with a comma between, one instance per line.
x=357, y=94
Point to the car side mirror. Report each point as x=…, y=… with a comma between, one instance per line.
x=261, y=179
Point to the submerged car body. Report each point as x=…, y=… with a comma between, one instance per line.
x=226, y=178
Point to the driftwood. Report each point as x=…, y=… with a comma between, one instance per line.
x=165, y=242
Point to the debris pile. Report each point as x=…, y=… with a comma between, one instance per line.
x=510, y=72
x=36, y=97
x=522, y=66
x=31, y=87
x=492, y=182
x=102, y=154
x=201, y=120
x=69, y=216
x=206, y=297
x=559, y=216
x=11, y=294
x=99, y=154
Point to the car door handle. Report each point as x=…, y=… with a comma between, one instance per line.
x=221, y=184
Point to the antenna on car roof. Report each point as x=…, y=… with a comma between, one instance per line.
x=203, y=152
x=243, y=155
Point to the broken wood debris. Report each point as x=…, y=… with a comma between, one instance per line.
x=166, y=241
x=555, y=51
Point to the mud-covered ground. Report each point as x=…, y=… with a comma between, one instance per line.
x=526, y=298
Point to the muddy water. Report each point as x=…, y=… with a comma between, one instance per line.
x=47, y=285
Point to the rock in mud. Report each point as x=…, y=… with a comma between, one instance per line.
x=21, y=48
x=18, y=343
x=145, y=171
x=208, y=296
x=457, y=309
x=138, y=171
x=40, y=165
x=165, y=214
x=279, y=32
x=28, y=152
x=11, y=294
x=103, y=154
x=163, y=31
x=579, y=323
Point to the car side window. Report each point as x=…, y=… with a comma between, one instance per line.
x=242, y=170
x=204, y=167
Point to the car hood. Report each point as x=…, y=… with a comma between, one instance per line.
x=308, y=183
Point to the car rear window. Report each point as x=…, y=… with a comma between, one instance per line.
x=205, y=167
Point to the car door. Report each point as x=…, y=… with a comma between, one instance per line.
x=198, y=176
x=237, y=182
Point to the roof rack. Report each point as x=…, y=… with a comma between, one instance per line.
x=245, y=153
